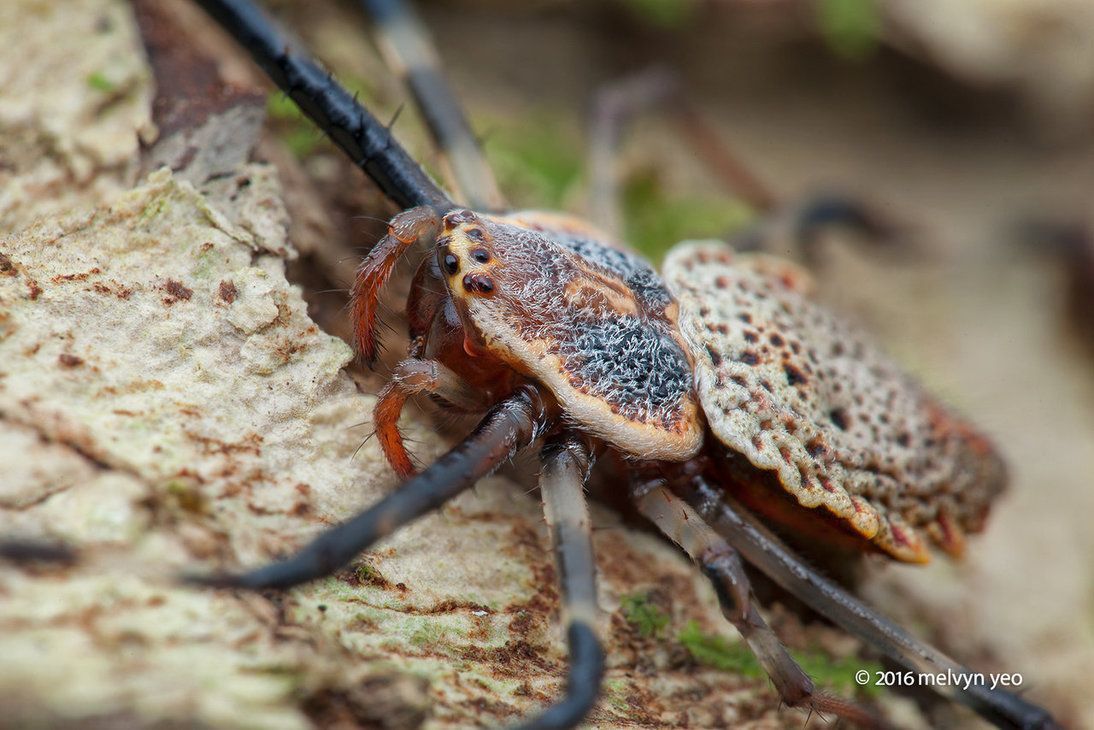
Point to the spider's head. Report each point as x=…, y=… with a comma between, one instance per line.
x=594, y=325
x=499, y=276
x=467, y=254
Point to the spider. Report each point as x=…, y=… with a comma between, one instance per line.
x=563, y=339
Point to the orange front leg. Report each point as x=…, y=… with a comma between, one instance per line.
x=405, y=230
x=411, y=377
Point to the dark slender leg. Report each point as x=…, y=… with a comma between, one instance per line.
x=333, y=109
x=722, y=565
x=566, y=464
x=614, y=107
x=823, y=213
x=408, y=48
x=510, y=425
x=37, y=551
x=765, y=551
x=1071, y=243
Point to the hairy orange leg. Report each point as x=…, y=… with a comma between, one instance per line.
x=410, y=378
x=405, y=230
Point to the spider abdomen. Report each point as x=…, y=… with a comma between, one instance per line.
x=798, y=392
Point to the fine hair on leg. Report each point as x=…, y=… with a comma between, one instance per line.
x=403, y=232
x=412, y=377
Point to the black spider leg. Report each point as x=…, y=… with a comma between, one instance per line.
x=566, y=465
x=614, y=106
x=765, y=551
x=806, y=221
x=37, y=551
x=507, y=427
x=407, y=47
x=721, y=564
x=368, y=143
x=618, y=103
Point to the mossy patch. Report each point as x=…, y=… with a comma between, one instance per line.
x=294, y=129
x=851, y=28
x=650, y=620
x=666, y=14
x=99, y=82
x=537, y=162
x=716, y=651
x=657, y=219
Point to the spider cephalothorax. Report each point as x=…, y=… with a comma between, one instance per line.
x=528, y=299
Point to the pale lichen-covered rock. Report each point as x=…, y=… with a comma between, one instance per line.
x=74, y=95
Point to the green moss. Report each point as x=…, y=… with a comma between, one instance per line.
x=536, y=161
x=615, y=692
x=99, y=82
x=427, y=633
x=851, y=28
x=718, y=652
x=838, y=674
x=663, y=13
x=185, y=495
x=656, y=220
x=434, y=634
x=291, y=126
x=156, y=207
x=734, y=656
x=366, y=573
x=643, y=615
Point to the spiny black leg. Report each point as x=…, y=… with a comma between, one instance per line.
x=333, y=109
x=566, y=464
x=722, y=566
x=408, y=48
x=511, y=424
x=765, y=551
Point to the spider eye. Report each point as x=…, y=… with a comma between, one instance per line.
x=481, y=255
x=451, y=263
x=478, y=284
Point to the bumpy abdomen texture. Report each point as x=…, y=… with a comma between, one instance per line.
x=796, y=390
